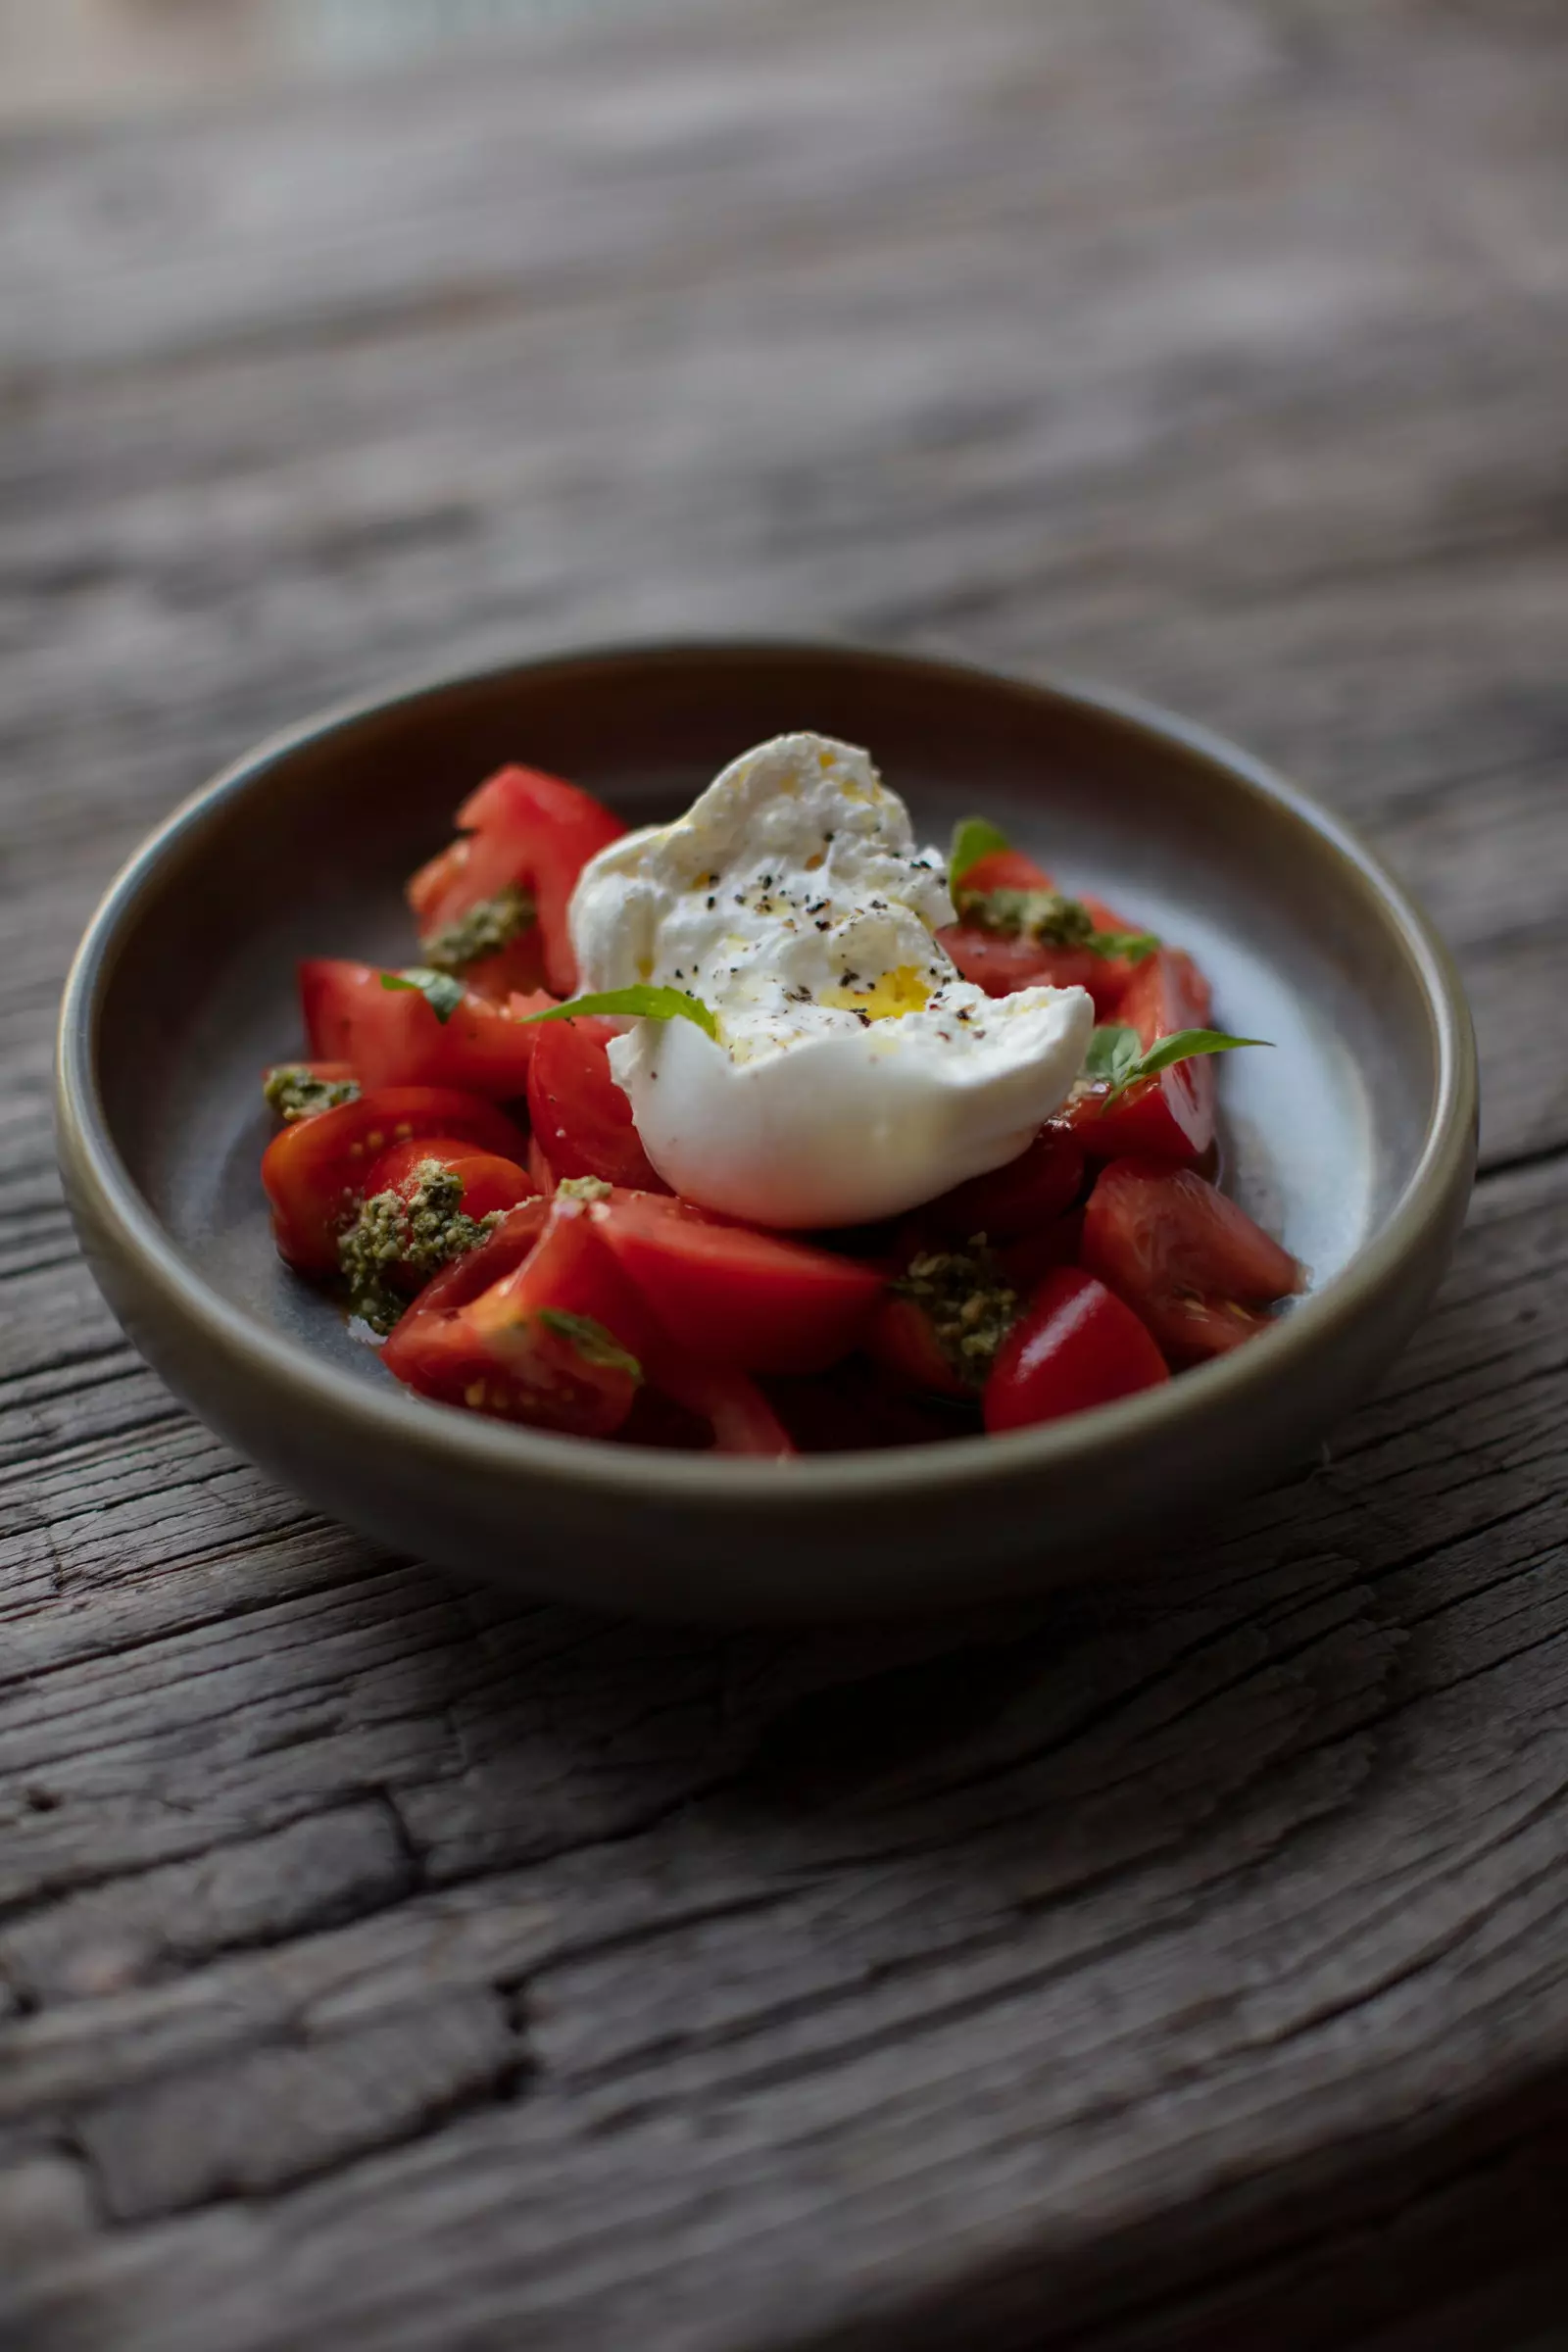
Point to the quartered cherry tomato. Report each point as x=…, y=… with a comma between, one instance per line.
x=393, y=1037
x=1076, y=1344
x=729, y=1295
x=489, y=1182
x=314, y=1171
x=1000, y=964
x=582, y=1122
x=902, y=1342
x=546, y=1343
x=1028, y=1191
x=519, y=827
x=1184, y=1257
x=1171, y=1114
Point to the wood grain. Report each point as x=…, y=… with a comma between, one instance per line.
x=384, y=1966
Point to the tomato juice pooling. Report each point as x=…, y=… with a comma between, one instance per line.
x=854, y=1073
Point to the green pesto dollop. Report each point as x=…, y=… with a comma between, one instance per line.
x=1051, y=918
x=423, y=1230
x=970, y=1305
x=483, y=931
x=296, y=1092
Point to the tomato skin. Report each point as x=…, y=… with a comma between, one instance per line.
x=999, y=966
x=1005, y=1204
x=315, y=1171
x=1076, y=1344
x=902, y=1342
x=582, y=1122
x=728, y=1295
x=392, y=1038
x=740, y=1416
x=1005, y=869
x=1171, y=1115
x=489, y=1182
x=493, y=1348
x=1183, y=1257
x=521, y=826
x=476, y=1326
x=1028, y=1261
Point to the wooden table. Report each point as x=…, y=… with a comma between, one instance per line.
x=386, y=1966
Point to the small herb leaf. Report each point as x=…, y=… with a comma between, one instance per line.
x=973, y=838
x=1113, y=1058
x=592, y=1342
x=1182, y=1044
x=443, y=992
x=644, y=1002
x=1113, y=1049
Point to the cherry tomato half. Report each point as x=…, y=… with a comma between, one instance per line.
x=551, y=1342
x=489, y=1182
x=315, y=1171
x=1172, y=1114
x=902, y=1342
x=582, y=1122
x=731, y=1296
x=394, y=1038
x=1076, y=1344
x=1188, y=1259
x=521, y=826
x=1008, y=1201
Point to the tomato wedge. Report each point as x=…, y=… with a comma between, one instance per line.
x=315, y=1171
x=1008, y=1201
x=547, y=1342
x=394, y=1038
x=1000, y=964
x=489, y=1182
x=1172, y=1114
x=1183, y=1257
x=582, y=1122
x=728, y=1295
x=1005, y=869
x=520, y=828
x=1076, y=1344
x=902, y=1342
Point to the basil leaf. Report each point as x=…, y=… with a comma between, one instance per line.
x=644, y=1002
x=973, y=838
x=441, y=991
x=1182, y=1044
x=592, y=1342
x=1113, y=1051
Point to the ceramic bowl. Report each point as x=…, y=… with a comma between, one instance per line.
x=1353, y=1140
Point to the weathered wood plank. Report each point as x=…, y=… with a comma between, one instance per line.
x=384, y=1965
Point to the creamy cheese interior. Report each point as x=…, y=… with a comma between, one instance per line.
x=855, y=1074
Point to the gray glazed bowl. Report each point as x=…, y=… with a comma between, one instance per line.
x=1353, y=1140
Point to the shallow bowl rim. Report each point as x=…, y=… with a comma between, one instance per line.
x=463, y=1443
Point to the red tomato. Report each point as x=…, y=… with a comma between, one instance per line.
x=521, y=826
x=1040, y=1185
x=1191, y=1264
x=999, y=966
x=315, y=1171
x=582, y=1122
x=1005, y=869
x=734, y=1407
x=728, y=1295
x=1074, y=1346
x=1172, y=1114
x=489, y=1182
x=1027, y=1263
x=902, y=1342
x=394, y=1038
x=509, y=1349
